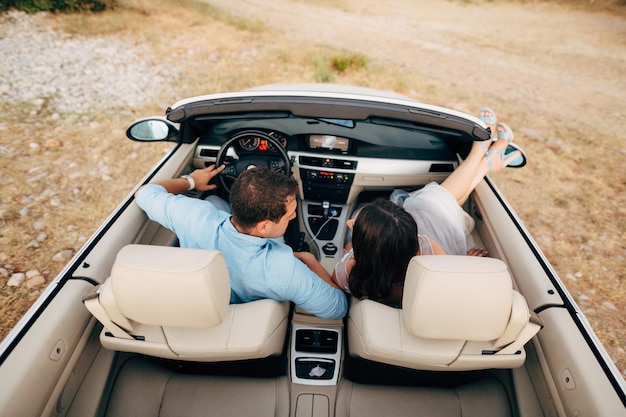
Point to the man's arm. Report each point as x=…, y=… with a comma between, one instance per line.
x=200, y=177
x=309, y=260
x=189, y=218
x=314, y=295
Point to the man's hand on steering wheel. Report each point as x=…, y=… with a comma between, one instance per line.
x=202, y=177
x=278, y=161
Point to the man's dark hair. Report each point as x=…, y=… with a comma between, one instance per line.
x=260, y=194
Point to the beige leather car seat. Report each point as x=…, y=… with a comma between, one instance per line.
x=172, y=302
x=458, y=313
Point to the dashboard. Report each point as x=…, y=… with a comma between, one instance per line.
x=256, y=141
x=380, y=139
x=336, y=166
x=334, y=163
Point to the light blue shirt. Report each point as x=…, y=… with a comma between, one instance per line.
x=258, y=267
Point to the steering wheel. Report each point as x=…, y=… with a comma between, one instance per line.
x=261, y=158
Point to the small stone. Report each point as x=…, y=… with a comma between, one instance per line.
x=32, y=273
x=33, y=244
x=34, y=282
x=609, y=306
x=39, y=225
x=557, y=145
x=16, y=279
x=570, y=277
x=63, y=256
x=51, y=144
x=531, y=133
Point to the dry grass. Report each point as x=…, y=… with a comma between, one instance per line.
x=95, y=166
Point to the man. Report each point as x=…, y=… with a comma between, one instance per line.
x=260, y=265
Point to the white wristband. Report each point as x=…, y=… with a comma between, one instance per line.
x=192, y=183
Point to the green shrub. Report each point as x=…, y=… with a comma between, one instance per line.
x=341, y=63
x=65, y=6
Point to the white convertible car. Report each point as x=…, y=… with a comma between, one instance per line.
x=137, y=326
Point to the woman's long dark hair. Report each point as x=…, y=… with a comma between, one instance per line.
x=384, y=239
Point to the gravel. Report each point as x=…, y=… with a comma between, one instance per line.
x=73, y=74
x=68, y=74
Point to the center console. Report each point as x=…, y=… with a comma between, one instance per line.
x=315, y=364
x=316, y=346
x=326, y=184
x=315, y=354
x=331, y=181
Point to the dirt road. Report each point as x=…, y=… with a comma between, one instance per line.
x=556, y=75
x=554, y=64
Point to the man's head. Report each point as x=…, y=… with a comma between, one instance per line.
x=263, y=202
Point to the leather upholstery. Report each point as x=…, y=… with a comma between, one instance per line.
x=458, y=313
x=172, y=302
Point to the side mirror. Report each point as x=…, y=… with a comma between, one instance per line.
x=152, y=129
x=518, y=162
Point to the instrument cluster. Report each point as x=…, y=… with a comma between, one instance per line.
x=256, y=141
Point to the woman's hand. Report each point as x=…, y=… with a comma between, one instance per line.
x=477, y=252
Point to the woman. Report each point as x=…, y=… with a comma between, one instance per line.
x=385, y=236
x=383, y=231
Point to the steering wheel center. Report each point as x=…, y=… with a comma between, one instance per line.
x=276, y=159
